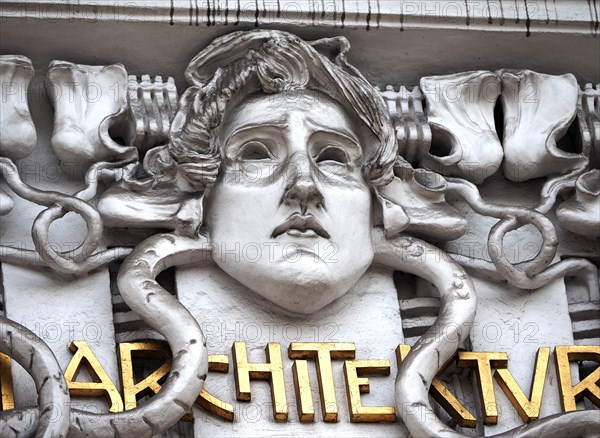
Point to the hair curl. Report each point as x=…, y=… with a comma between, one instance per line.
x=270, y=61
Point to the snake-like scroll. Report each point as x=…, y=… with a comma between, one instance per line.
x=539, y=271
x=441, y=341
x=164, y=313
x=80, y=260
x=36, y=357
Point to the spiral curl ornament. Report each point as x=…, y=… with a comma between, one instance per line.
x=534, y=273
x=80, y=260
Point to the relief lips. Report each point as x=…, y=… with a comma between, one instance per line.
x=301, y=226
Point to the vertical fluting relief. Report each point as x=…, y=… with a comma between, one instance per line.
x=152, y=104
x=412, y=130
x=460, y=111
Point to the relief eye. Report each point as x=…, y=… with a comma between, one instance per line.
x=332, y=154
x=255, y=151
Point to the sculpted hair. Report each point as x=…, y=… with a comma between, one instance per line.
x=270, y=61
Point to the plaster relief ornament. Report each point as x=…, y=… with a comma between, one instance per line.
x=152, y=105
x=19, y=136
x=581, y=213
x=285, y=146
x=284, y=141
x=18, y=131
x=281, y=142
x=6, y=203
x=88, y=101
x=460, y=111
x=538, y=110
x=304, y=158
x=413, y=132
x=590, y=103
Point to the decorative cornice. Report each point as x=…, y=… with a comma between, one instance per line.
x=528, y=16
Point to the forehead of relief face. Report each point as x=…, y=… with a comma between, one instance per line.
x=298, y=111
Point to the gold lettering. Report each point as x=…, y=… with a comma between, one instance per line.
x=323, y=353
x=153, y=350
x=218, y=363
x=442, y=395
x=6, y=384
x=528, y=408
x=101, y=384
x=306, y=408
x=355, y=386
x=588, y=387
x=148, y=350
x=272, y=370
x=483, y=363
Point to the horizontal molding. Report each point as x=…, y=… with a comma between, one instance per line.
x=552, y=16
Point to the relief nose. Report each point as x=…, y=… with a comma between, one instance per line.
x=301, y=184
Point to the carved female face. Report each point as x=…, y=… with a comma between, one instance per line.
x=290, y=216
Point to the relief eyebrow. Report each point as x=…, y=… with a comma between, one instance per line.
x=279, y=123
x=333, y=129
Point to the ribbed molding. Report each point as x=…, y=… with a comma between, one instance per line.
x=492, y=15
